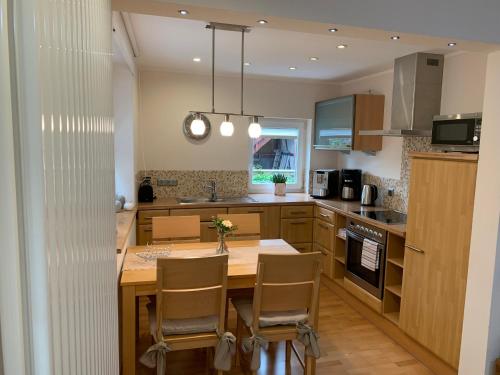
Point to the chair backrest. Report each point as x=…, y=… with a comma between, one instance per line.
x=248, y=226
x=168, y=229
x=287, y=282
x=188, y=288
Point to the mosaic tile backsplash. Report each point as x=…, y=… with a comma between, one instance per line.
x=399, y=201
x=193, y=183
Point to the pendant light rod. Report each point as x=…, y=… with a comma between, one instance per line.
x=213, y=69
x=239, y=114
x=242, y=64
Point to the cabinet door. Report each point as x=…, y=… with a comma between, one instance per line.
x=146, y=216
x=291, y=212
x=303, y=247
x=324, y=234
x=297, y=230
x=269, y=219
x=333, y=123
x=208, y=233
x=437, y=253
x=327, y=258
x=144, y=234
x=369, y=115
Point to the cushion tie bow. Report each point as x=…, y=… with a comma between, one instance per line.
x=253, y=344
x=225, y=349
x=156, y=356
x=309, y=337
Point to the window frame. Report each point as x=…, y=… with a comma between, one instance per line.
x=281, y=123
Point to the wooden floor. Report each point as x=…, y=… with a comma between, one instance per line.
x=350, y=345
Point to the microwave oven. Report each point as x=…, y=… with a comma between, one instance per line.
x=460, y=132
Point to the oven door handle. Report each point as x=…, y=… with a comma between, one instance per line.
x=360, y=238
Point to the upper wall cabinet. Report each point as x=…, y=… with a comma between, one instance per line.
x=338, y=121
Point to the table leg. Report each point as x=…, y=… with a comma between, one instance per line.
x=128, y=330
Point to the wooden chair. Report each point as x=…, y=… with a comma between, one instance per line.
x=168, y=229
x=286, y=294
x=190, y=302
x=248, y=226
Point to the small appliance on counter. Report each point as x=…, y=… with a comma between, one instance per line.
x=350, y=184
x=459, y=133
x=145, y=193
x=369, y=195
x=325, y=183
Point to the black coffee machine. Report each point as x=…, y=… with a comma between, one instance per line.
x=350, y=184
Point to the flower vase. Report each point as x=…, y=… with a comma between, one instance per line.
x=222, y=245
x=280, y=189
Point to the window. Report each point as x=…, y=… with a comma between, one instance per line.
x=280, y=149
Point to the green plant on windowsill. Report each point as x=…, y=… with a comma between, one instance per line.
x=279, y=180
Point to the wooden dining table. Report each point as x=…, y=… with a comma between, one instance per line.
x=139, y=279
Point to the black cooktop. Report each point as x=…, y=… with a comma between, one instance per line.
x=385, y=216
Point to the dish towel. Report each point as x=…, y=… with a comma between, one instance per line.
x=370, y=255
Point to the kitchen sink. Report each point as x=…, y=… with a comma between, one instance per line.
x=192, y=200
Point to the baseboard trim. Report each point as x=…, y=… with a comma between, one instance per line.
x=429, y=359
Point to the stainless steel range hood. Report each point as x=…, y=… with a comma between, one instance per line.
x=416, y=95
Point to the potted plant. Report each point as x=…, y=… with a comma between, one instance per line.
x=279, y=184
x=223, y=228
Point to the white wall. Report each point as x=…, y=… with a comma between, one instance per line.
x=166, y=98
x=125, y=120
x=481, y=330
x=463, y=90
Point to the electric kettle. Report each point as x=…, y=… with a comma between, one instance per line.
x=368, y=195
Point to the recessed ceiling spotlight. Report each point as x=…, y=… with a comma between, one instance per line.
x=292, y=68
x=183, y=12
x=262, y=22
x=333, y=30
x=313, y=58
x=342, y=46
x=395, y=37
x=196, y=59
x=452, y=44
x=246, y=63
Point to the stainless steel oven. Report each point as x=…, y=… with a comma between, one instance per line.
x=365, y=256
x=460, y=132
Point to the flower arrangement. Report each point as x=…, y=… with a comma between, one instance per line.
x=279, y=184
x=223, y=228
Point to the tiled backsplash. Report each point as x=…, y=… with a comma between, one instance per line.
x=399, y=201
x=193, y=183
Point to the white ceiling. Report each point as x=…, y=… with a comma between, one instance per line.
x=171, y=43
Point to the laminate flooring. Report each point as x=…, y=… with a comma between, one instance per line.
x=350, y=345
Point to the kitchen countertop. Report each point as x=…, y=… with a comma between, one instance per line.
x=337, y=205
x=124, y=221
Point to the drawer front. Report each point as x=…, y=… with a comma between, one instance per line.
x=297, y=230
x=290, y=212
x=205, y=214
x=144, y=234
x=302, y=247
x=327, y=257
x=269, y=219
x=208, y=233
x=324, y=234
x=324, y=214
x=146, y=216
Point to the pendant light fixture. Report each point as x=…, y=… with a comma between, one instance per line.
x=198, y=126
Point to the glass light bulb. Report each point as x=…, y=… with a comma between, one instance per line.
x=198, y=127
x=226, y=128
x=254, y=130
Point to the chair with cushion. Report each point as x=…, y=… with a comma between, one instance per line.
x=248, y=226
x=284, y=307
x=190, y=310
x=169, y=229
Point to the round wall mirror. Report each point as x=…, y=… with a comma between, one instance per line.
x=187, y=127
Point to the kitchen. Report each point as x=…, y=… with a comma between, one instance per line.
x=344, y=187
x=295, y=190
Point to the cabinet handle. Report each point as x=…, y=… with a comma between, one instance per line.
x=416, y=249
x=324, y=215
x=256, y=211
x=211, y=226
x=298, y=212
x=324, y=226
x=298, y=222
x=147, y=230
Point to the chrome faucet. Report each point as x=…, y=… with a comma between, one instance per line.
x=212, y=189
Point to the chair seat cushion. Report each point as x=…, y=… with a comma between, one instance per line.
x=268, y=319
x=182, y=326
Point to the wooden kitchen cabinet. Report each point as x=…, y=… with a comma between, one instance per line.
x=297, y=230
x=324, y=214
x=269, y=219
x=327, y=258
x=145, y=217
x=291, y=212
x=437, y=251
x=324, y=234
x=208, y=232
x=144, y=234
x=303, y=247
